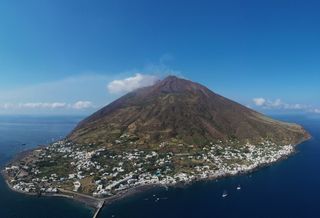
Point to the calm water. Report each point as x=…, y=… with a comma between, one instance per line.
x=290, y=189
x=287, y=189
x=16, y=131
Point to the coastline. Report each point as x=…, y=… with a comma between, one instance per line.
x=98, y=203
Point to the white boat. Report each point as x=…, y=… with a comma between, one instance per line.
x=238, y=187
x=224, y=194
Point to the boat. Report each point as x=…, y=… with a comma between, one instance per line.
x=238, y=187
x=224, y=194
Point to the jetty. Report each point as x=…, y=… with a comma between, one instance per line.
x=98, y=209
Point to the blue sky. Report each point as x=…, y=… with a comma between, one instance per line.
x=60, y=57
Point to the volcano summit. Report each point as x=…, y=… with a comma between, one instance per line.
x=185, y=111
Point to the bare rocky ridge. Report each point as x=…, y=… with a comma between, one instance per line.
x=185, y=111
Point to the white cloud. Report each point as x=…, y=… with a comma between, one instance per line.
x=79, y=105
x=41, y=105
x=6, y=106
x=131, y=83
x=316, y=110
x=278, y=104
x=259, y=101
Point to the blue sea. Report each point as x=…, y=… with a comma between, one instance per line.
x=290, y=188
x=19, y=133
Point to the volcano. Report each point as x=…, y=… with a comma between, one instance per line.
x=185, y=111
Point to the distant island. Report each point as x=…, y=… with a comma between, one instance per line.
x=174, y=132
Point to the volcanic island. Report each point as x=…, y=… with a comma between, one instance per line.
x=174, y=132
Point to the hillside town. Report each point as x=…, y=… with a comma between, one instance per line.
x=102, y=172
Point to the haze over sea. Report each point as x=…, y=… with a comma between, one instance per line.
x=287, y=189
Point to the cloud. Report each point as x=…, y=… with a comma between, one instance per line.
x=316, y=110
x=131, y=83
x=33, y=105
x=259, y=101
x=278, y=104
x=6, y=106
x=79, y=105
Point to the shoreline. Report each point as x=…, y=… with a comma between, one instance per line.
x=98, y=203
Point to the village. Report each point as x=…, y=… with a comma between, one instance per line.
x=101, y=172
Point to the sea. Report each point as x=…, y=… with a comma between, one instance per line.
x=289, y=188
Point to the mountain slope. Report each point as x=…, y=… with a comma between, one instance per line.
x=178, y=109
